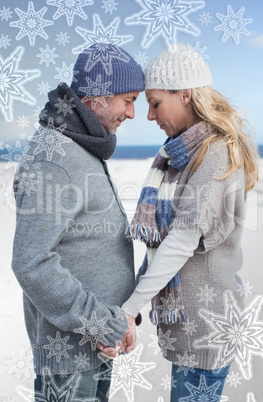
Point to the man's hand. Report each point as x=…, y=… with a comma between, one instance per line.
x=127, y=344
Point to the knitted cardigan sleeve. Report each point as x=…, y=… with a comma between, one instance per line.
x=215, y=205
x=53, y=290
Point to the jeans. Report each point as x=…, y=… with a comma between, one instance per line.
x=76, y=385
x=197, y=384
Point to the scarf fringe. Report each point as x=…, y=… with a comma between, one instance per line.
x=143, y=233
x=168, y=317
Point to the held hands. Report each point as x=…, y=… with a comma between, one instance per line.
x=127, y=344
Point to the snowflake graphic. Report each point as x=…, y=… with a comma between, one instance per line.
x=233, y=24
x=155, y=344
x=14, y=155
x=11, y=83
x=66, y=74
x=25, y=158
x=189, y=327
x=51, y=391
x=206, y=295
x=65, y=105
x=93, y=331
x=109, y=5
x=5, y=14
x=169, y=305
x=168, y=382
x=63, y=373
x=50, y=139
x=107, y=35
x=141, y=58
x=4, y=41
x=47, y=55
x=233, y=379
x=165, y=17
x=22, y=136
x=43, y=88
x=59, y=120
x=195, y=55
x=31, y=23
x=82, y=361
x=202, y=392
x=26, y=183
x=161, y=73
x=244, y=289
x=205, y=18
x=127, y=373
x=23, y=121
x=237, y=334
x=58, y=347
x=96, y=91
x=70, y=8
x=62, y=38
x=165, y=342
x=21, y=364
x=185, y=363
x=6, y=195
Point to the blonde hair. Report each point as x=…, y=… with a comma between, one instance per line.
x=226, y=122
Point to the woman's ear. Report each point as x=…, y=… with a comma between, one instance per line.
x=186, y=96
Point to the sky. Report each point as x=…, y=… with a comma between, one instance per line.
x=228, y=33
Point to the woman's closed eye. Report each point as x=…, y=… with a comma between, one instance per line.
x=156, y=105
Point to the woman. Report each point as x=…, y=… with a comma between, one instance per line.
x=190, y=215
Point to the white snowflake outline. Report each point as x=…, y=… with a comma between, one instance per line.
x=107, y=8
x=237, y=335
x=26, y=18
x=68, y=9
x=18, y=368
x=228, y=20
x=25, y=183
x=43, y=55
x=93, y=330
x=50, y=139
x=131, y=368
x=58, y=352
x=16, y=78
x=153, y=10
x=101, y=34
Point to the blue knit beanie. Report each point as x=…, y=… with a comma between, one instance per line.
x=105, y=70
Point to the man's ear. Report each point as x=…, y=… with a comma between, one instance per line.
x=186, y=96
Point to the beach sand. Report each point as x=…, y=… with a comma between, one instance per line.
x=154, y=380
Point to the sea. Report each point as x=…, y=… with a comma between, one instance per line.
x=147, y=151
x=122, y=152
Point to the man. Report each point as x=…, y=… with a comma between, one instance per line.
x=70, y=255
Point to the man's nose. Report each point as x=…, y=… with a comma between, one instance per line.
x=130, y=111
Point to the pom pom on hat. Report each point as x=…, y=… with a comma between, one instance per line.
x=182, y=68
x=106, y=70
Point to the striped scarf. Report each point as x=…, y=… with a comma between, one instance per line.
x=154, y=214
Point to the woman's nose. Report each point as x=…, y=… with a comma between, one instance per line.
x=151, y=115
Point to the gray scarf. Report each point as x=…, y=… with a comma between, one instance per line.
x=70, y=116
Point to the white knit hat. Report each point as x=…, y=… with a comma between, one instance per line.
x=183, y=68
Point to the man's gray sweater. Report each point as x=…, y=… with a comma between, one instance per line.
x=70, y=255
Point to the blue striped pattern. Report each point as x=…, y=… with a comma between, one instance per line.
x=179, y=154
x=164, y=213
x=148, y=195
